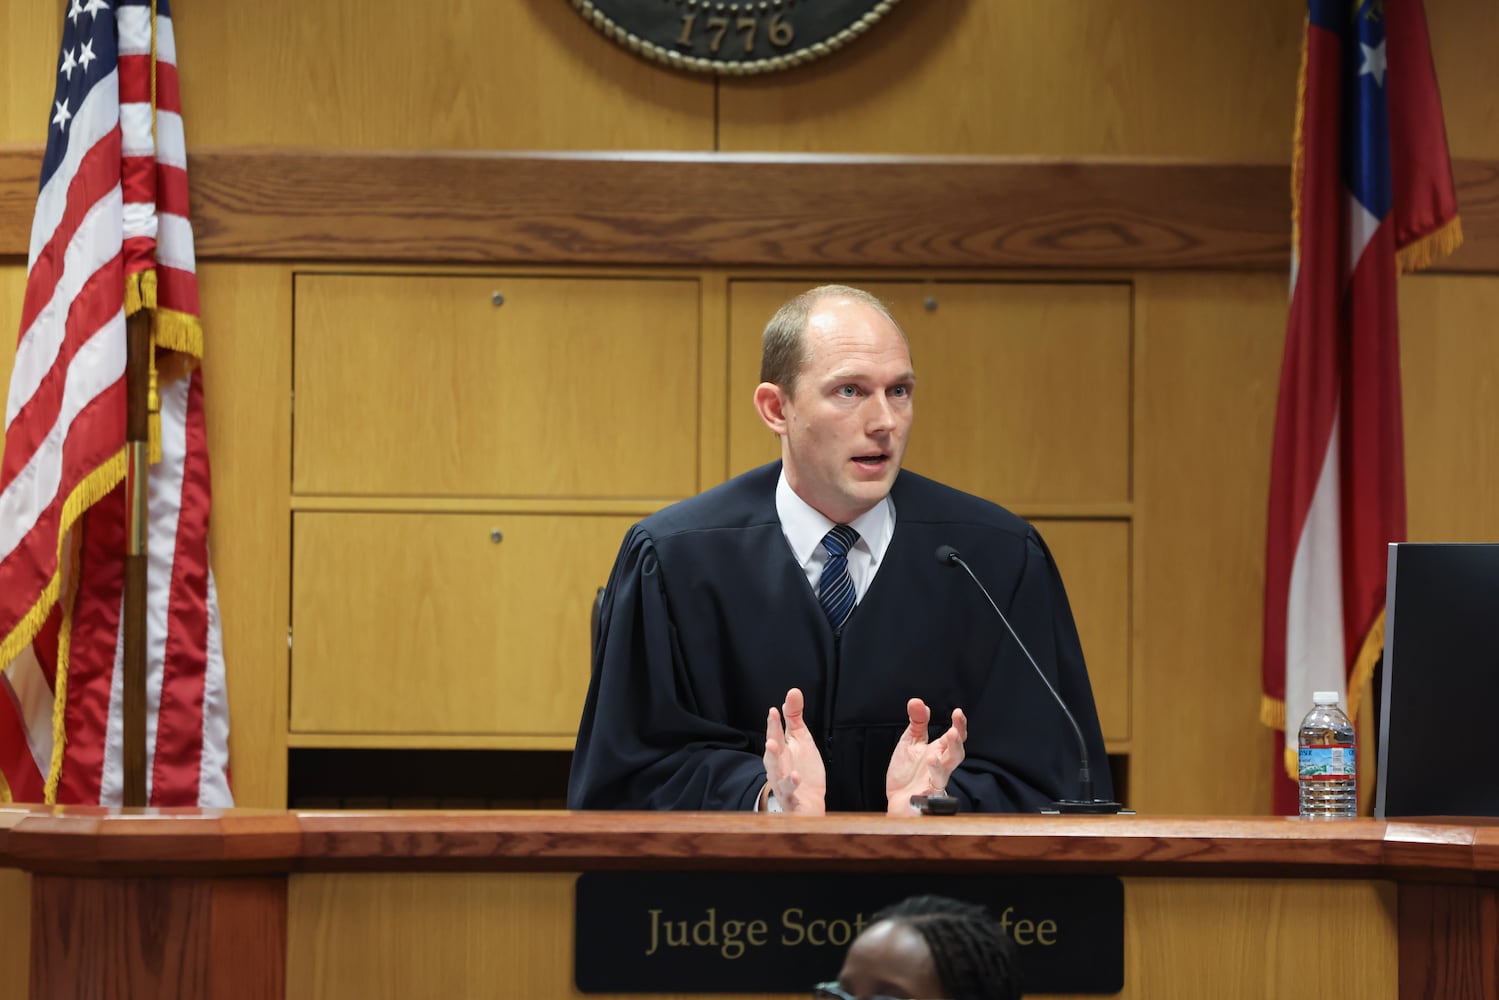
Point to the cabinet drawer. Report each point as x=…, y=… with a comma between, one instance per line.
x=420, y=623
x=1093, y=557
x=420, y=385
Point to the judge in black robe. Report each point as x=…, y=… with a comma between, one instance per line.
x=708, y=619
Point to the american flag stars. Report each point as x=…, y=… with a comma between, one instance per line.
x=1373, y=62
x=78, y=54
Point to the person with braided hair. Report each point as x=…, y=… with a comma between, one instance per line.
x=929, y=948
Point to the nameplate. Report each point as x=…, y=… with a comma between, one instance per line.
x=779, y=932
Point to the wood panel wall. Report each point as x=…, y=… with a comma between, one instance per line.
x=1143, y=79
x=1060, y=78
x=511, y=934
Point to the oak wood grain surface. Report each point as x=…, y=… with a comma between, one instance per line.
x=744, y=209
x=82, y=840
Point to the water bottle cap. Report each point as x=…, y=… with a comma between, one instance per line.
x=1325, y=698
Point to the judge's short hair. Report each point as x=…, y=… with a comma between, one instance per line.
x=784, y=346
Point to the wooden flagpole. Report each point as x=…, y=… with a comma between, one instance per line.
x=137, y=467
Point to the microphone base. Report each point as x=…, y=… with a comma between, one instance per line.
x=1087, y=807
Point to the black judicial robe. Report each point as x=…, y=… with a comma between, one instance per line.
x=707, y=621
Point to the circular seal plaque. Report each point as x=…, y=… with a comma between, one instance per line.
x=736, y=37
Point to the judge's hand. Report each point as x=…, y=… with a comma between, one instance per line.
x=921, y=768
x=793, y=765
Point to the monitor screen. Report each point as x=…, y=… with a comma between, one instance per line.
x=1439, y=711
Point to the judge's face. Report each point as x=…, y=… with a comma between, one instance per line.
x=890, y=960
x=844, y=428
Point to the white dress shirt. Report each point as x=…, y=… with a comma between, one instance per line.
x=805, y=528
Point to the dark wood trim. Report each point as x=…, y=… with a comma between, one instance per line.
x=157, y=902
x=158, y=937
x=807, y=212
x=95, y=841
x=1449, y=941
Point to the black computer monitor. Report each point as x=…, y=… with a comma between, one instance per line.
x=1439, y=710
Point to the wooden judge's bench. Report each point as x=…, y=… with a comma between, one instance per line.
x=250, y=904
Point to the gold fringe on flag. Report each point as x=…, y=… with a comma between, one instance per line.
x=178, y=331
x=1369, y=655
x=1298, y=148
x=1273, y=714
x=60, y=687
x=31, y=622
x=95, y=486
x=140, y=292
x=1273, y=710
x=1430, y=248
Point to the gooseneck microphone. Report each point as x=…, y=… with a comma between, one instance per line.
x=1085, y=802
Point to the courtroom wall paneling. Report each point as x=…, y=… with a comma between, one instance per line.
x=1022, y=392
x=1449, y=360
x=1030, y=391
x=1021, y=77
x=458, y=625
x=462, y=935
x=1464, y=38
x=387, y=937
x=526, y=74
x=15, y=931
x=247, y=316
x=12, y=295
x=568, y=387
x=1210, y=348
x=717, y=396
x=29, y=36
x=1262, y=939
x=1093, y=558
x=1039, y=77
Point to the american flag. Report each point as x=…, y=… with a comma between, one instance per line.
x=110, y=237
x=1373, y=192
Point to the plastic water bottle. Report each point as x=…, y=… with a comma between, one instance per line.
x=1328, y=771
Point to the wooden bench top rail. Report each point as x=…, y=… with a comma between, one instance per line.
x=94, y=840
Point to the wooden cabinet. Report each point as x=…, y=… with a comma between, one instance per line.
x=1094, y=559
x=418, y=385
x=449, y=625
x=469, y=451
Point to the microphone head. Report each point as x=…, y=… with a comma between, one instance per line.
x=947, y=555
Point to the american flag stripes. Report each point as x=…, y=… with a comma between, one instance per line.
x=110, y=237
x=1372, y=189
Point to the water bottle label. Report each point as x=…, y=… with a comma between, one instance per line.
x=1327, y=763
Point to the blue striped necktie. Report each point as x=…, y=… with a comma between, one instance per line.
x=835, y=591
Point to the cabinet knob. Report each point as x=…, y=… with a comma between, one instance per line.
x=498, y=298
x=496, y=536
